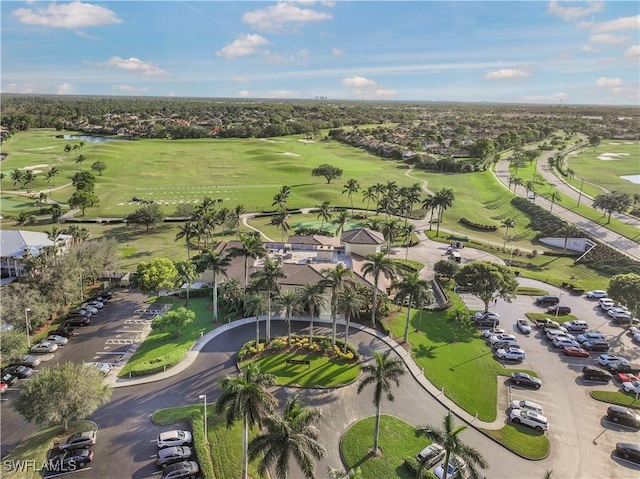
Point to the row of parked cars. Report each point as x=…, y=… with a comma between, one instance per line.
x=175, y=455
x=72, y=453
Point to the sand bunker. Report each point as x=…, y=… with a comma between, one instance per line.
x=38, y=149
x=611, y=156
x=33, y=167
x=288, y=153
x=306, y=141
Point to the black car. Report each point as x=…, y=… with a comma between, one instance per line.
x=71, y=460
x=596, y=345
x=75, y=321
x=630, y=452
x=64, y=331
x=8, y=378
x=623, y=415
x=594, y=373
x=547, y=300
x=21, y=372
x=524, y=379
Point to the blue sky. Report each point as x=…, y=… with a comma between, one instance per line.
x=533, y=52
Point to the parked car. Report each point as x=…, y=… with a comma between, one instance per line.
x=594, y=373
x=560, y=310
x=8, y=379
x=29, y=360
x=524, y=326
x=547, y=300
x=502, y=338
x=91, y=309
x=80, y=312
x=623, y=415
x=596, y=346
x=631, y=387
x=180, y=470
x=104, y=368
x=486, y=315
x=526, y=405
x=96, y=304
x=606, y=303
x=511, y=353
x=487, y=333
x=529, y=418
x=626, y=377
x=547, y=323
x=456, y=469
x=590, y=336
x=77, y=321
x=621, y=310
x=171, y=455
x=59, y=340
x=608, y=359
x=633, y=330
x=64, y=331
x=636, y=337
x=628, y=451
x=431, y=455
x=3, y=387
x=524, y=379
x=79, y=440
x=175, y=437
x=504, y=345
x=21, y=372
x=44, y=347
x=70, y=460
x=623, y=367
x=559, y=333
x=564, y=342
x=576, y=325
x=622, y=319
x=597, y=293
x=575, y=352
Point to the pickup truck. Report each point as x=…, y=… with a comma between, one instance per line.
x=546, y=323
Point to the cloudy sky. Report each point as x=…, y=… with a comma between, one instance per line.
x=496, y=51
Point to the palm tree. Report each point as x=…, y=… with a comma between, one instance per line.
x=218, y=264
x=236, y=215
x=368, y=195
x=448, y=438
x=408, y=231
x=42, y=200
x=17, y=176
x=445, y=198
x=267, y=279
x=390, y=229
x=530, y=187
x=336, y=278
x=555, y=198
x=293, y=435
x=350, y=303
x=289, y=301
x=567, y=232
x=507, y=223
x=187, y=231
x=431, y=204
x=280, y=221
x=56, y=213
x=245, y=397
x=341, y=221
x=67, y=149
x=324, y=212
x=51, y=175
x=517, y=181
x=188, y=274
x=256, y=306
x=378, y=264
x=381, y=373
x=350, y=188
x=80, y=158
x=252, y=247
x=414, y=290
x=636, y=198
x=312, y=297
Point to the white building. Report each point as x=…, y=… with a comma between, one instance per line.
x=16, y=246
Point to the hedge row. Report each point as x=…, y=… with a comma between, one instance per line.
x=539, y=219
x=413, y=465
x=477, y=226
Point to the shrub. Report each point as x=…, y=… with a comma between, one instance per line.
x=478, y=226
x=277, y=343
x=412, y=466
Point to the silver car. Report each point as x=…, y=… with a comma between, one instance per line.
x=59, y=340
x=171, y=455
x=44, y=347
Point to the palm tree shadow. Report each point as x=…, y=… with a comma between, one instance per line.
x=468, y=361
x=362, y=460
x=423, y=351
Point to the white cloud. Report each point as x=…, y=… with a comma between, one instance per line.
x=607, y=38
x=133, y=65
x=67, y=15
x=303, y=53
x=240, y=79
x=573, y=13
x=64, y=89
x=282, y=94
x=604, y=82
x=623, y=23
x=24, y=88
x=131, y=90
x=632, y=52
x=383, y=92
x=358, y=82
x=244, y=93
x=337, y=52
x=506, y=74
x=243, y=46
x=553, y=98
x=276, y=17
x=589, y=49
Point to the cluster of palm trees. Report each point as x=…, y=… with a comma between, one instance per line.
x=280, y=219
x=439, y=202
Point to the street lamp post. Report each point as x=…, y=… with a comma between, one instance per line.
x=580, y=195
x=204, y=397
x=26, y=322
x=558, y=305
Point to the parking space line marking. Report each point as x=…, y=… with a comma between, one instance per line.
x=67, y=473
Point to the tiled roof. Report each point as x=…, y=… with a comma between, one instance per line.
x=362, y=236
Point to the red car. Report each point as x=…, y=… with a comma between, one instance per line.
x=627, y=377
x=3, y=387
x=575, y=352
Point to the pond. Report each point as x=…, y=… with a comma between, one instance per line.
x=87, y=138
x=632, y=178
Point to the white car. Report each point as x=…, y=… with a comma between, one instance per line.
x=606, y=303
x=632, y=387
x=590, y=336
x=633, y=330
x=176, y=437
x=615, y=310
x=636, y=337
x=90, y=309
x=608, y=359
x=597, y=293
x=44, y=347
x=564, y=342
x=576, y=325
x=529, y=418
x=456, y=469
x=511, y=353
x=486, y=315
x=487, y=333
x=59, y=340
x=502, y=338
x=97, y=304
x=104, y=368
x=559, y=333
x=525, y=404
x=524, y=326
x=431, y=455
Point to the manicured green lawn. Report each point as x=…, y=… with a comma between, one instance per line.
x=617, y=397
x=397, y=441
x=522, y=440
x=322, y=372
x=161, y=349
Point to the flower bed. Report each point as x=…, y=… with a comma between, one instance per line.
x=300, y=345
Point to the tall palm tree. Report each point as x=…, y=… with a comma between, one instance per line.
x=569, y=231
x=390, y=230
x=280, y=221
x=51, y=175
x=408, y=231
x=341, y=221
x=293, y=435
x=507, y=223
x=449, y=438
x=377, y=264
x=368, y=195
x=188, y=274
x=236, y=215
x=324, y=212
x=336, y=278
x=218, y=264
x=289, y=302
x=267, y=280
x=245, y=397
x=42, y=200
x=383, y=371
x=445, y=198
x=187, y=231
x=430, y=203
x=351, y=187
x=256, y=306
x=350, y=303
x=312, y=297
x=252, y=247
x=530, y=186
x=56, y=213
x=517, y=181
x=415, y=290
x=554, y=197
x=17, y=176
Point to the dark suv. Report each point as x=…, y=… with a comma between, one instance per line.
x=593, y=373
x=547, y=300
x=622, y=415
